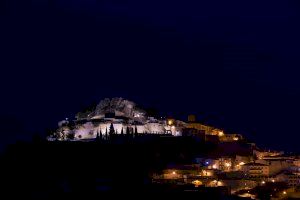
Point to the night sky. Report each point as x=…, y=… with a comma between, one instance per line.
x=235, y=64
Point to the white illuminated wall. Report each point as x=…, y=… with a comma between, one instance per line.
x=89, y=131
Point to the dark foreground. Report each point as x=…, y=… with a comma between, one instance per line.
x=48, y=170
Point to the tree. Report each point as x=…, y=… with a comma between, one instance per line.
x=127, y=130
x=100, y=134
x=111, y=129
x=135, y=130
x=122, y=133
x=106, y=135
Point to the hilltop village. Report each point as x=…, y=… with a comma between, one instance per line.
x=118, y=116
x=233, y=165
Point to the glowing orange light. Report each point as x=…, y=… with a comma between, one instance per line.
x=221, y=133
x=197, y=183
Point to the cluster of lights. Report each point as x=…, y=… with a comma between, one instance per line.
x=221, y=133
x=227, y=164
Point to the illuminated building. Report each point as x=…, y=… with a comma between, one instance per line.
x=212, y=131
x=230, y=137
x=192, y=123
x=256, y=169
x=119, y=114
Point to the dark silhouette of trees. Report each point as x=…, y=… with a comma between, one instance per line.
x=100, y=134
x=135, y=130
x=127, y=130
x=111, y=129
x=106, y=134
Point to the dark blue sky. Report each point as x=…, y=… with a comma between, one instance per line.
x=233, y=63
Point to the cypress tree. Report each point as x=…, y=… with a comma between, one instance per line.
x=122, y=131
x=111, y=129
x=100, y=134
x=127, y=130
x=106, y=135
x=135, y=130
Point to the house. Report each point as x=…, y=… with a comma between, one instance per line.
x=292, y=179
x=256, y=169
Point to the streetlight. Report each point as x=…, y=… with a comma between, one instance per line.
x=170, y=122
